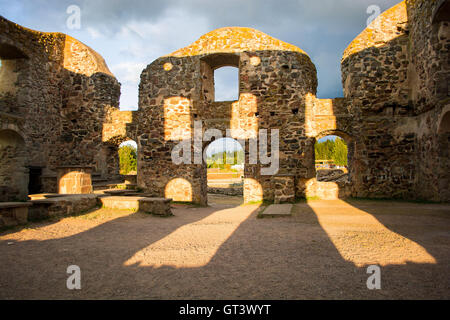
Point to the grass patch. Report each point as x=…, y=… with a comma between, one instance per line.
x=263, y=203
x=306, y=199
x=253, y=202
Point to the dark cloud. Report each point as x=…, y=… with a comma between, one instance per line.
x=323, y=28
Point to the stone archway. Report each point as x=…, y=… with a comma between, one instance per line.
x=349, y=141
x=441, y=12
x=14, y=71
x=330, y=189
x=107, y=163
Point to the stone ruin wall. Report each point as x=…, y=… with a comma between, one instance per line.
x=118, y=127
x=54, y=95
x=429, y=75
x=329, y=117
x=379, y=117
x=395, y=78
x=29, y=105
x=395, y=74
x=277, y=91
x=374, y=77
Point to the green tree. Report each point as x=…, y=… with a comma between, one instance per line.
x=128, y=159
x=332, y=150
x=225, y=160
x=340, y=153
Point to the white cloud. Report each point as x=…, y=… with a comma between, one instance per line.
x=128, y=71
x=94, y=33
x=226, y=84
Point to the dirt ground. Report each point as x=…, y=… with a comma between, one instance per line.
x=225, y=252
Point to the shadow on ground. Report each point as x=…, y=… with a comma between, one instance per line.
x=225, y=252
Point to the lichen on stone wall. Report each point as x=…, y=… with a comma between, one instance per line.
x=80, y=58
x=234, y=39
x=386, y=27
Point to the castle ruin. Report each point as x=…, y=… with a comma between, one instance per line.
x=60, y=122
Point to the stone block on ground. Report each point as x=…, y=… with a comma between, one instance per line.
x=277, y=210
x=61, y=206
x=156, y=206
x=13, y=213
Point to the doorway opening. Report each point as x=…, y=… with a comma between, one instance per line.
x=331, y=159
x=34, y=181
x=128, y=158
x=225, y=159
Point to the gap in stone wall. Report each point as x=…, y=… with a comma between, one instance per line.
x=226, y=84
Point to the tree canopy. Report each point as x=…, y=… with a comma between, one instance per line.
x=225, y=160
x=128, y=159
x=332, y=150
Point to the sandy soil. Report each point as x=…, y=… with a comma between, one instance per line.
x=226, y=252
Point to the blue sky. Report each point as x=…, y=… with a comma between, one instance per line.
x=131, y=34
x=332, y=138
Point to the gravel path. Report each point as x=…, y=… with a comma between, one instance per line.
x=226, y=252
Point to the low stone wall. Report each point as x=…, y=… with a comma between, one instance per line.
x=13, y=213
x=156, y=206
x=61, y=206
x=332, y=175
x=227, y=191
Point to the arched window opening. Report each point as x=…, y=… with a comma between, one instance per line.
x=439, y=39
x=179, y=190
x=12, y=62
x=442, y=12
x=128, y=158
x=8, y=80
x=331, y=159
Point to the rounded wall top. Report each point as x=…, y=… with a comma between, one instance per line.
x=80, y=58
x=386, y=27
x=77, y=56
x=234, y=40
